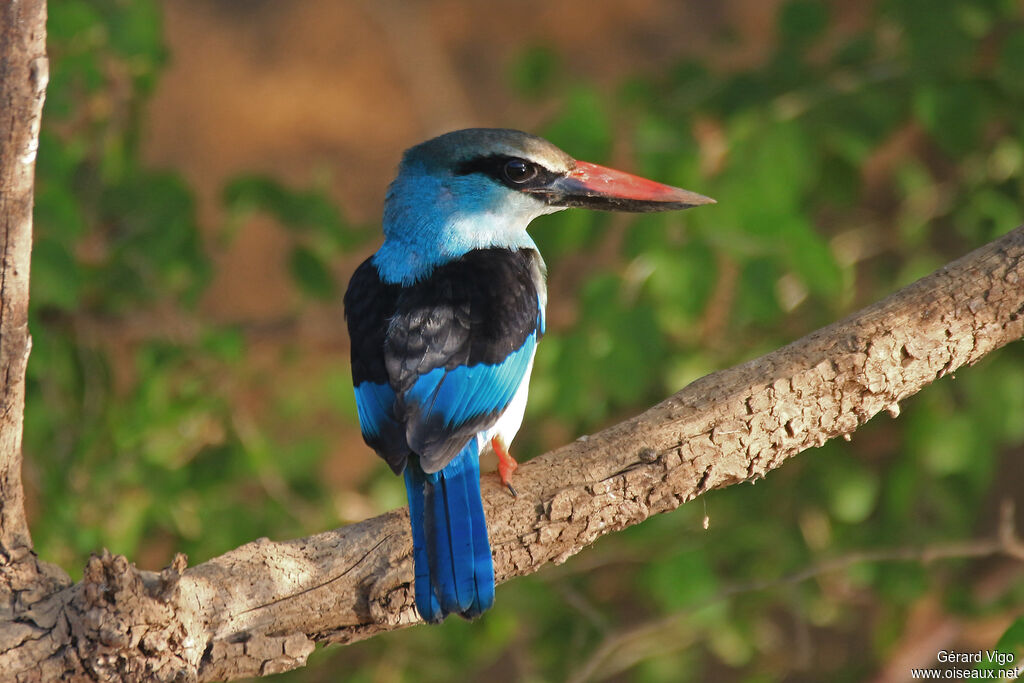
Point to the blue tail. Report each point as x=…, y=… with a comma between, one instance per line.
x=454, y=569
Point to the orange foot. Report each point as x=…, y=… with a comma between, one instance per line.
x=506, y=463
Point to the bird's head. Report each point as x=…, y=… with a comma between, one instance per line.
x=480, y=187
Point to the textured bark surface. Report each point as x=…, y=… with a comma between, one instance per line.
x=261, y=607
x=24, y=580
x=23, y=77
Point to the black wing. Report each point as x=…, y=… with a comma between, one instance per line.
x=369, y=306
x=456, y=347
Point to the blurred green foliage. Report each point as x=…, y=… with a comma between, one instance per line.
x=308, y=213
x=135, y=439
x=846, y=164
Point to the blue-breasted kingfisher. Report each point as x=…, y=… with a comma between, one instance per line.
x=444, y=321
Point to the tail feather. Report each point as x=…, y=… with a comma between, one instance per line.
x=426, y=601
x=483, y=563
x=451, y=559
x=454, y=569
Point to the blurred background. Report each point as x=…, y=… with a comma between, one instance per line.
x=211, y=173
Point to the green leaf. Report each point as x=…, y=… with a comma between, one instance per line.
x=685, y=579
x=70, y=20
x=987, y=214
x=583, y=128
x=55, y=276
x=136, y=30
x=57, y=213
x=756, y=301
x=1013, y=638
x=936, y=40
x=1011, y=63
x=534, y=71
x=801, y=21
x=681, y=280
x=953, y=113
x=773, y=166
x=227, y=344
x=811, y=257
x=1008, y=649
x=308, y=211
x=951, y=444
x=853, y=491
x=311, y=273
x=566, y=232
x=155, y=244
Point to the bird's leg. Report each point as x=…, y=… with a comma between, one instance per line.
x=506, y=463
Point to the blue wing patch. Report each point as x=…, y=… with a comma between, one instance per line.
x=375, y=405
x=381, y=429
x=443, y=402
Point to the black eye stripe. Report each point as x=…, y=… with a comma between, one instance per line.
x=496, y=166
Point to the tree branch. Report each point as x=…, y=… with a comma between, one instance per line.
x=259, y=608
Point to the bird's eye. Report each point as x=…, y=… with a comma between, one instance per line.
x=519, y=171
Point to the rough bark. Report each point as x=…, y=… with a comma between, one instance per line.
x=24, y=580
x=23, y=76
x=260, y=608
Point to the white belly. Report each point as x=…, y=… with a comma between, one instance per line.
x=508, y=424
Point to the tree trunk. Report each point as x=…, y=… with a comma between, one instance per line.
x=24, y=71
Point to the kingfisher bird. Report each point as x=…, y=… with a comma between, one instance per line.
x=444, y=321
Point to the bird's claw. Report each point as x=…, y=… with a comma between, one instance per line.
x=506, y=463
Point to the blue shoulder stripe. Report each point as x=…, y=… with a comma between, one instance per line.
x=449, y=399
